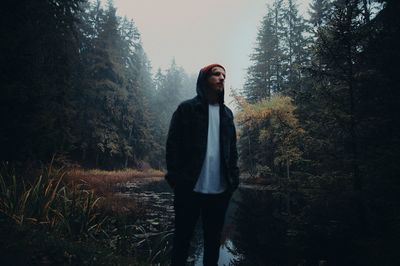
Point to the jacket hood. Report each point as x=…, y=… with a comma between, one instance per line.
x=201, y=84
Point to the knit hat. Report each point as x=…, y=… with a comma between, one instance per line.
x=206, y=69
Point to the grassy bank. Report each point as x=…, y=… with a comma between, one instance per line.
x=71, y=216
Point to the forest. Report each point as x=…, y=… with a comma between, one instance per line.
x=83, y=114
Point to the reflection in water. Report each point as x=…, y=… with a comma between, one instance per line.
x=319, y=230
x=225, y=255
x=260, y=232
x=157, y=198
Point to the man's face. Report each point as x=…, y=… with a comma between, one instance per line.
x=216, y=79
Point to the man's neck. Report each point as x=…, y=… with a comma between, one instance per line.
x=212, y=98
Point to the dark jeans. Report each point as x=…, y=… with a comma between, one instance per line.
x=189, y=205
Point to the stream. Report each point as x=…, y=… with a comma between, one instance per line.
x=259, y=231
x=158, y=199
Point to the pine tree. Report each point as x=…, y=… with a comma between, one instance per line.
x=39, y=53
x=338, y=44
x=169, y=93
x=264, y=77
x=319, y=13
x=117, y=92
x=281, y=54
x=295, y=48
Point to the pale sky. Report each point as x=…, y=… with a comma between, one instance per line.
x=199, y=32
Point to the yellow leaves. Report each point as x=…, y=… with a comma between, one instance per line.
x=275, y=125
x=264, y=135
x=263, y=109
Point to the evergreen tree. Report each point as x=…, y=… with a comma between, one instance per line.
x=319, y=13
x=115, y=127
x=338, y=45
x=295, y=48
x=39, y=53
x=280, y=54
x=264, y=76
x=169, y=93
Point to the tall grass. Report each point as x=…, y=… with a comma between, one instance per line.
x=50, y=203
x=67, y=206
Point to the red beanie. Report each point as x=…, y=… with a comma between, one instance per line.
x=209, y=67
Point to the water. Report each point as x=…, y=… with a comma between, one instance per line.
x=225, y=255
x=158, y=199
x=258, y=227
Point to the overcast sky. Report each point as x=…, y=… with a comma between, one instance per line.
x=199, y=32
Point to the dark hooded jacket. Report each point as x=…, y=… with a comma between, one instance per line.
x=187, y=141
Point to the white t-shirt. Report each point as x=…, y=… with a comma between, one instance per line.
x=210, y=179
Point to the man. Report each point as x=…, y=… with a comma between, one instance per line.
x=201, y=158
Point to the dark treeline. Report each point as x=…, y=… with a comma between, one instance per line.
x=320, y=124
x=76, y=82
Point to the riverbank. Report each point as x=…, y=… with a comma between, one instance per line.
x=75, y=217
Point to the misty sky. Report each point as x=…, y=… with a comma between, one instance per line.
x=197, y=33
